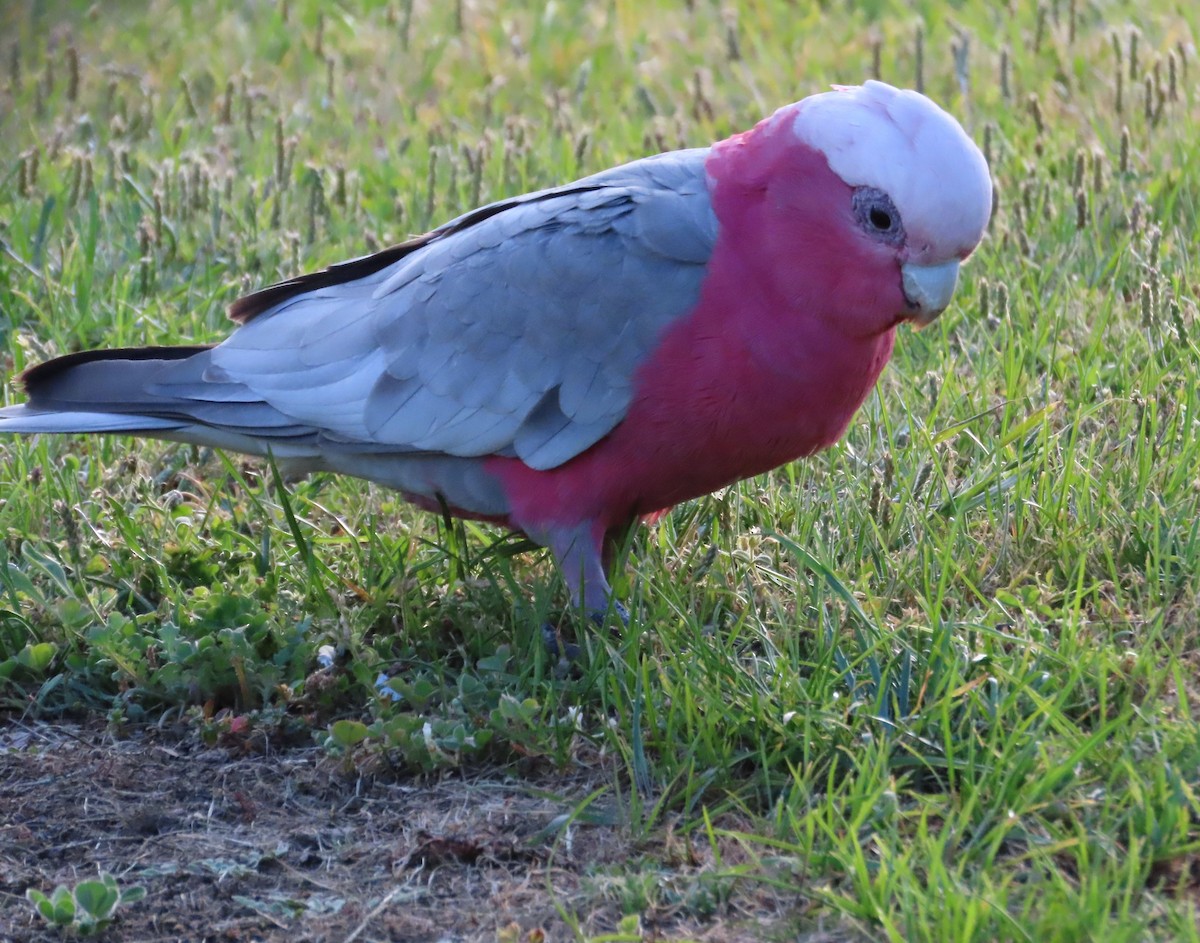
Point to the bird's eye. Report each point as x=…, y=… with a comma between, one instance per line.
x=877, y=214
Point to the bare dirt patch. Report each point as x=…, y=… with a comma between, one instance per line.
x=286, y=846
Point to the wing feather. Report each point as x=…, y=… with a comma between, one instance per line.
x=514, y=330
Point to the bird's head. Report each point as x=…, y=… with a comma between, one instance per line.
x=920, y=185
x=874, y=193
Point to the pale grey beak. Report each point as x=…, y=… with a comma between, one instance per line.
x=928, y=289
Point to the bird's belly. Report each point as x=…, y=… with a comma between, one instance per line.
x=665, y=453
x=701, y=457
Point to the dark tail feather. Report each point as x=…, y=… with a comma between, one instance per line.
x=140, y=389
x=102, y=380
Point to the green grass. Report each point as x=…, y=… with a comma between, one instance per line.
x=936, y=682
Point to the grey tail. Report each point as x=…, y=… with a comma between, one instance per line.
x=94, y=391
x=69, y=382
x=167, y=392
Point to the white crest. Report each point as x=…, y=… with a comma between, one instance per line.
x=905, y=145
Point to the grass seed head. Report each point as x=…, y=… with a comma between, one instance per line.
x=75, y=181
x=406, y=12
x=316, y=202
x=189, y=102
x=431, y=186
x=581, y=147
x=201, y=184
x=1039, y=32
x=145, y=264
x=1154, y=246
x=919, y=57
x=247, y=109
x=225, y=116
x=733, y=47
x=922, y=479
x=702, y=107
x=960, y=47
x=1135, y=216
x=339, y=188
x=72, y=74
x=452, y=183
x=158, y=216
x=1035, y=112
x=280, y=155
x=1176, y=313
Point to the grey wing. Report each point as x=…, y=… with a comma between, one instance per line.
x=518, y=334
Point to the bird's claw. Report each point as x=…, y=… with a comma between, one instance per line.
x=556, y=646
x=617, y=608
x=559, y=648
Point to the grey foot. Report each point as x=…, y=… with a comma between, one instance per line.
x=560, y=648
x=619, y=611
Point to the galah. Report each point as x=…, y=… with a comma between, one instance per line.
x=569, y=361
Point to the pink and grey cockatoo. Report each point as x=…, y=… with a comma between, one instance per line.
x=569, y=361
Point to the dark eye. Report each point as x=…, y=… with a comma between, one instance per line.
x=877, y=214
x=880, y=218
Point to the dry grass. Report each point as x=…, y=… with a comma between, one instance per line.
x=244, y=841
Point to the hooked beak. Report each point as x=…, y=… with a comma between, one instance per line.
x=928, y=289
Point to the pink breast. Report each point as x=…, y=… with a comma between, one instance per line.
x=759, y=374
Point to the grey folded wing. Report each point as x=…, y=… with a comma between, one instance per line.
x=515, y=330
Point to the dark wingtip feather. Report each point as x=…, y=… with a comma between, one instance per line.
x=252, y=305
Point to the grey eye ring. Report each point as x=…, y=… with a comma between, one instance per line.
x=877, y=214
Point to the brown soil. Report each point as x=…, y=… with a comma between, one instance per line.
x=265, y=846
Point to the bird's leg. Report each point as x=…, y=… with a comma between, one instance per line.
x=579, y=551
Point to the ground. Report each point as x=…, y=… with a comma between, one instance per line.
x=246, y=841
